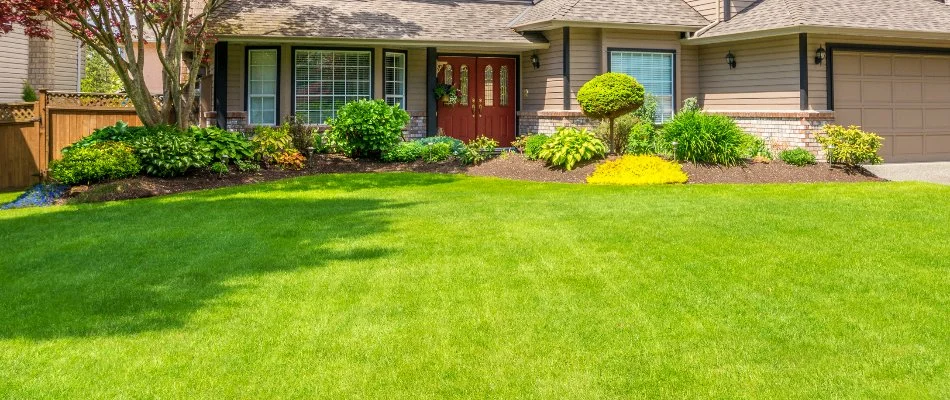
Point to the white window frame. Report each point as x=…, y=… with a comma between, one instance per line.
x=399, y=81
x=334, y=77
x=617, y=56
x=252, y=97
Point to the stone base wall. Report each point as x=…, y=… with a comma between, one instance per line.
x=785, y=130
x=548, y=121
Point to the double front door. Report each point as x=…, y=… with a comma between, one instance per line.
x=485, y=103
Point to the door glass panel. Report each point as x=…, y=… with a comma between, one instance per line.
x=503, y=86
x=463, y=84
x=489, y=87
x=448, y=74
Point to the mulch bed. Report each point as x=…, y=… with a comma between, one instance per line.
x=508, y=166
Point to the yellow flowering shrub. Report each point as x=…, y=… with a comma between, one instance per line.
x=637, y=170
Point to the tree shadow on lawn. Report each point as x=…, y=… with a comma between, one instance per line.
x=128, y=267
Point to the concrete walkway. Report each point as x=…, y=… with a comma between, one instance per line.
x=934, y=172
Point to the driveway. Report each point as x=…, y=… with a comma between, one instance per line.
x=935, y=172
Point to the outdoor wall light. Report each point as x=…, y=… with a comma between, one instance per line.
x=535, y=61
x=731, y=60
x=820, y=55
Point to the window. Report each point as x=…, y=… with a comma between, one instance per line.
x=503, y=86
x=262, y=86
x=654, y=70
x=463, y=85
x=489, y=87
x=325, y=80
x=395, y=79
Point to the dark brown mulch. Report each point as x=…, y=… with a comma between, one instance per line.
x=776, y=172
x=515, y=166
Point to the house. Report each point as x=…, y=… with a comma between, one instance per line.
x=54, y=64
x=781, y=68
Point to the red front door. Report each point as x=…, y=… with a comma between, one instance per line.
x=486, y=103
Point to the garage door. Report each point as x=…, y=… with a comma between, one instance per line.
x=904, y=98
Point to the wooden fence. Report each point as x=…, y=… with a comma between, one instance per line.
x=33, y=134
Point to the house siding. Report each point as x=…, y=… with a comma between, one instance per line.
x=543, y=88
x=586, y=61
x=651, y=40
x=236, y=77
x=766, y=78
x=16, y=48
x=689, y=73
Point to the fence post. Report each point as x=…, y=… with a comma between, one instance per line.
x=42, y=129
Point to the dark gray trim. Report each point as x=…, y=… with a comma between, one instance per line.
x=803, y=70
x=293, y=70
x=247, y=99
x=220, y=102
x=566, y=67
x=726, y=10
x=405, y=76
x=432, y=120
x=830, y=59
x=610, y=50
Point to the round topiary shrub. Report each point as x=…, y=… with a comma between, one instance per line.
x=610, y=96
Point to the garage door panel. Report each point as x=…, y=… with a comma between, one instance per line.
x=877, y=119
x=848, y=64
x=937, y=92
x=905, y=92
x=848, y=92
x=876, y=92
x=938, y=144
x=936, y=67
x=937, y=119
x=874, y=65
x=909, y=119
x=907, y=66
x=908, y=145
x=848, y=116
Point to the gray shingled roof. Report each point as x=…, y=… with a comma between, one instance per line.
x=422, y=20
x=647, y=12
x=926, y=16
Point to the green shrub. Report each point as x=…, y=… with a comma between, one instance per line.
x=850, y=146
x=690, y=105
x=405, y=152
x=570, y=146
x=99, y=162
x=368, y=128
x=169, y=152
x=799, y=157
x=706, y=138
x=436, y=152
x=301, y=135
x=478, y=150
x=458, y=146
x=28, y=94
x=533, y=145
x=610, y=96
x=120, y=132
x=247, y=166
x=642, y=139
x=221, y=143
x=647, y=112
x=219, y=168
x=270, y=142
x=754, y=146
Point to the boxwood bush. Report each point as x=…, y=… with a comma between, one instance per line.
x=367, y=128
x=95, y=163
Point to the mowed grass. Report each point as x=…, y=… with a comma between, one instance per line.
x=437, y=286
x=6, y=197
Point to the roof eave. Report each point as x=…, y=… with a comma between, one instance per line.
x=311, y=40
x=555, y=24
x=789, y=30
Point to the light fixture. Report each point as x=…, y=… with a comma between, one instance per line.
x=820, y=55
x=535, y=61
x=731, y=59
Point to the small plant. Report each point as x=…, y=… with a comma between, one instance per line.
x=29, y=94
x=247, y=166
x=706, y=138
x=448, y=94
x=458, y=146
x=533, y=145
x=405, y=152
x=610, y=96
x=755, y=148
x=436, y=152
x=169, y=152
x=690, y=105
x=270, y=142
x=799, y=157
x=368, y=128
x=478, y=150
x=570, y=146
x=637, y=170
x=222, y=143
x=290, y=160
x=301, y=135
x=219, y=168
x=642, y=139
x=41, y=195
x=850, y=146
x=99, y=162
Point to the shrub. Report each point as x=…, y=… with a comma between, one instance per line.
x=570, y=146
x=690, y=105
x=705, y=138
x=221, y=143
x=219, y=167
x=642, y=139
x=610, y=96
x=28, y=94
x=637, y=170
x=169, y=152
x=533, y=145
x=301, y=135
x=270, y=142
x=290, y=160
x=247, y=166
x=436, y=152
x=405, y=152
x=368, y=128
x=850, y=146
x=478, y=150
x=647, y=112
x=99, y=162
x=799, y=157
x=458, y=146
x=755, y=147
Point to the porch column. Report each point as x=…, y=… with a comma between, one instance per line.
x=220, y=102
x=432, y=120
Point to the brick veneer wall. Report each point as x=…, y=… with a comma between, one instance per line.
x=784, y=130
x=548, y=121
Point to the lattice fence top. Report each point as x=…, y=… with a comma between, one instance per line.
x=92, y=100
x=24, y=112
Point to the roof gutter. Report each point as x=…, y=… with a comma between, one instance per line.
x=556, y=24
x=263, y=39
x=793, y=30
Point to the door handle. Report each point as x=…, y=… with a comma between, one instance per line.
x=481, y=104
x=473, y=107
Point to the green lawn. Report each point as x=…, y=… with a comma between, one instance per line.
x=6, y=197
x=434, y=286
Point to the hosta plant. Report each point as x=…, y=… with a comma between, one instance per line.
x=171, y=152
x=637, y=170
x=570, y=146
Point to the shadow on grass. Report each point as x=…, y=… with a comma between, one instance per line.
x=130, y=267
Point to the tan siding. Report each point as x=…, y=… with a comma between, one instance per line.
x=416, y=80
x=586, y=62
x=16, y=49
x=817, y=74
x=707, y=8
x=766, y=78
x=235, y=77
x=543, y=88
x=65, y=61
x=689, y=73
